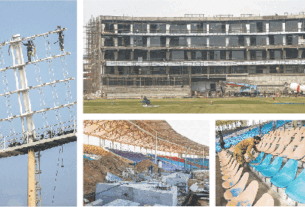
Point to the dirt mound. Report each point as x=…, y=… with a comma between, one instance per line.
x=144, y=164
x=95, y=171
x=91, y=149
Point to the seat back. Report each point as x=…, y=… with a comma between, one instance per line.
x=265, y=200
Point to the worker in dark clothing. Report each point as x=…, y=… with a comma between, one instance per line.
x=221, y=142
x=30, y=49
x=60, y=39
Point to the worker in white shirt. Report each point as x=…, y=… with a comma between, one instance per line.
x=159, y=167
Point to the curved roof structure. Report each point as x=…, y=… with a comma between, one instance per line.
x=143, y=134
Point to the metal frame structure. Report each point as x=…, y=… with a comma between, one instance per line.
x=30, y=132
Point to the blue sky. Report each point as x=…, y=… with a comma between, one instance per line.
x=28, y=18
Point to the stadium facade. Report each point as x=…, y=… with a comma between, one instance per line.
x=182, y=56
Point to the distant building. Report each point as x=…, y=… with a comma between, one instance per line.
x=182, y=56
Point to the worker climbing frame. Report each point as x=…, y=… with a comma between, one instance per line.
x=29, y=133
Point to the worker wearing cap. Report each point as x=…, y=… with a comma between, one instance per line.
x=244, y=147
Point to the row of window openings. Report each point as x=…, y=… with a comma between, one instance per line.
x=200, y=70
x=234, y=41
x=140, y=55
x=146, y=81
x=255, y=27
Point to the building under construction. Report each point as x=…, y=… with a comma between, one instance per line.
x=128, y=57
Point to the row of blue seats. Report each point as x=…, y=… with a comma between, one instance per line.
x=282, y=177
x=266, y=128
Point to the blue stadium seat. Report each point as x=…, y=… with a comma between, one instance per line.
x=273, y=168
x=265, y=163
x=296, y=189
x=286, y=174
x=258, y=159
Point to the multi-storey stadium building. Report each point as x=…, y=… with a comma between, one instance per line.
x=176, y=56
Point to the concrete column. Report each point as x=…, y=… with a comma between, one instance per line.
x=132, y=55
x=208, y=69
x=300, y=52
x=148, y=41
x=189, y=70
x=227, y=69
x=248, y=28
x=148, y=28
x=189, y=55
x=112, y=144
x=116, y=70
x=299, y=39
x=131, y=28
x=208, y=55
x=248, y=41
x=103, y=28
x=299, y=26
x=116, y=55
x=115, y=28
x=148, y=54
x=248, y=68
x=208, y=28
x=284, y=54
x=208, y=41
x=167, y=28
x=115, y=40
x=267, y=27
x=227, y=28
x=285, y=68
x=284, y=40
x=267, y=40
x=189, y=42
x=131, y=41
x=248, y=55
x=283, y=26
x=31, y=178
x=268, y=69
x=227, y=55
x=188, y=26
x=267, y=55
x=167, y=68
x=167, y=55
x=227, y=41
x=167, y=41
x=102, y=42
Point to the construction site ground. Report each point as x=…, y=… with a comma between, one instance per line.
x=198, y=105
x=95, y=171
x=263, y=188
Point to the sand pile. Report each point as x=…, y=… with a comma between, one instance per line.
x=144, y=164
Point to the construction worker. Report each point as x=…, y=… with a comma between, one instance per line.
x=221, y=142
x=244, y=147
x=30, y=47
x=60, y=39
x=159, y=167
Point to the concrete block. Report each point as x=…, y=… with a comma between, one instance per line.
x=121, y=202
x=281, y=192
x=143, y=193
x=98, y=202
x=268, y=182
x=261, y=177
x=291, y=202
x=274, y=188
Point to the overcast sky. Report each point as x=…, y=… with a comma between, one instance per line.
x=177, y=8
x=198, y=131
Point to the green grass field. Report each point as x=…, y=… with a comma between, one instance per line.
x=197, y=105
